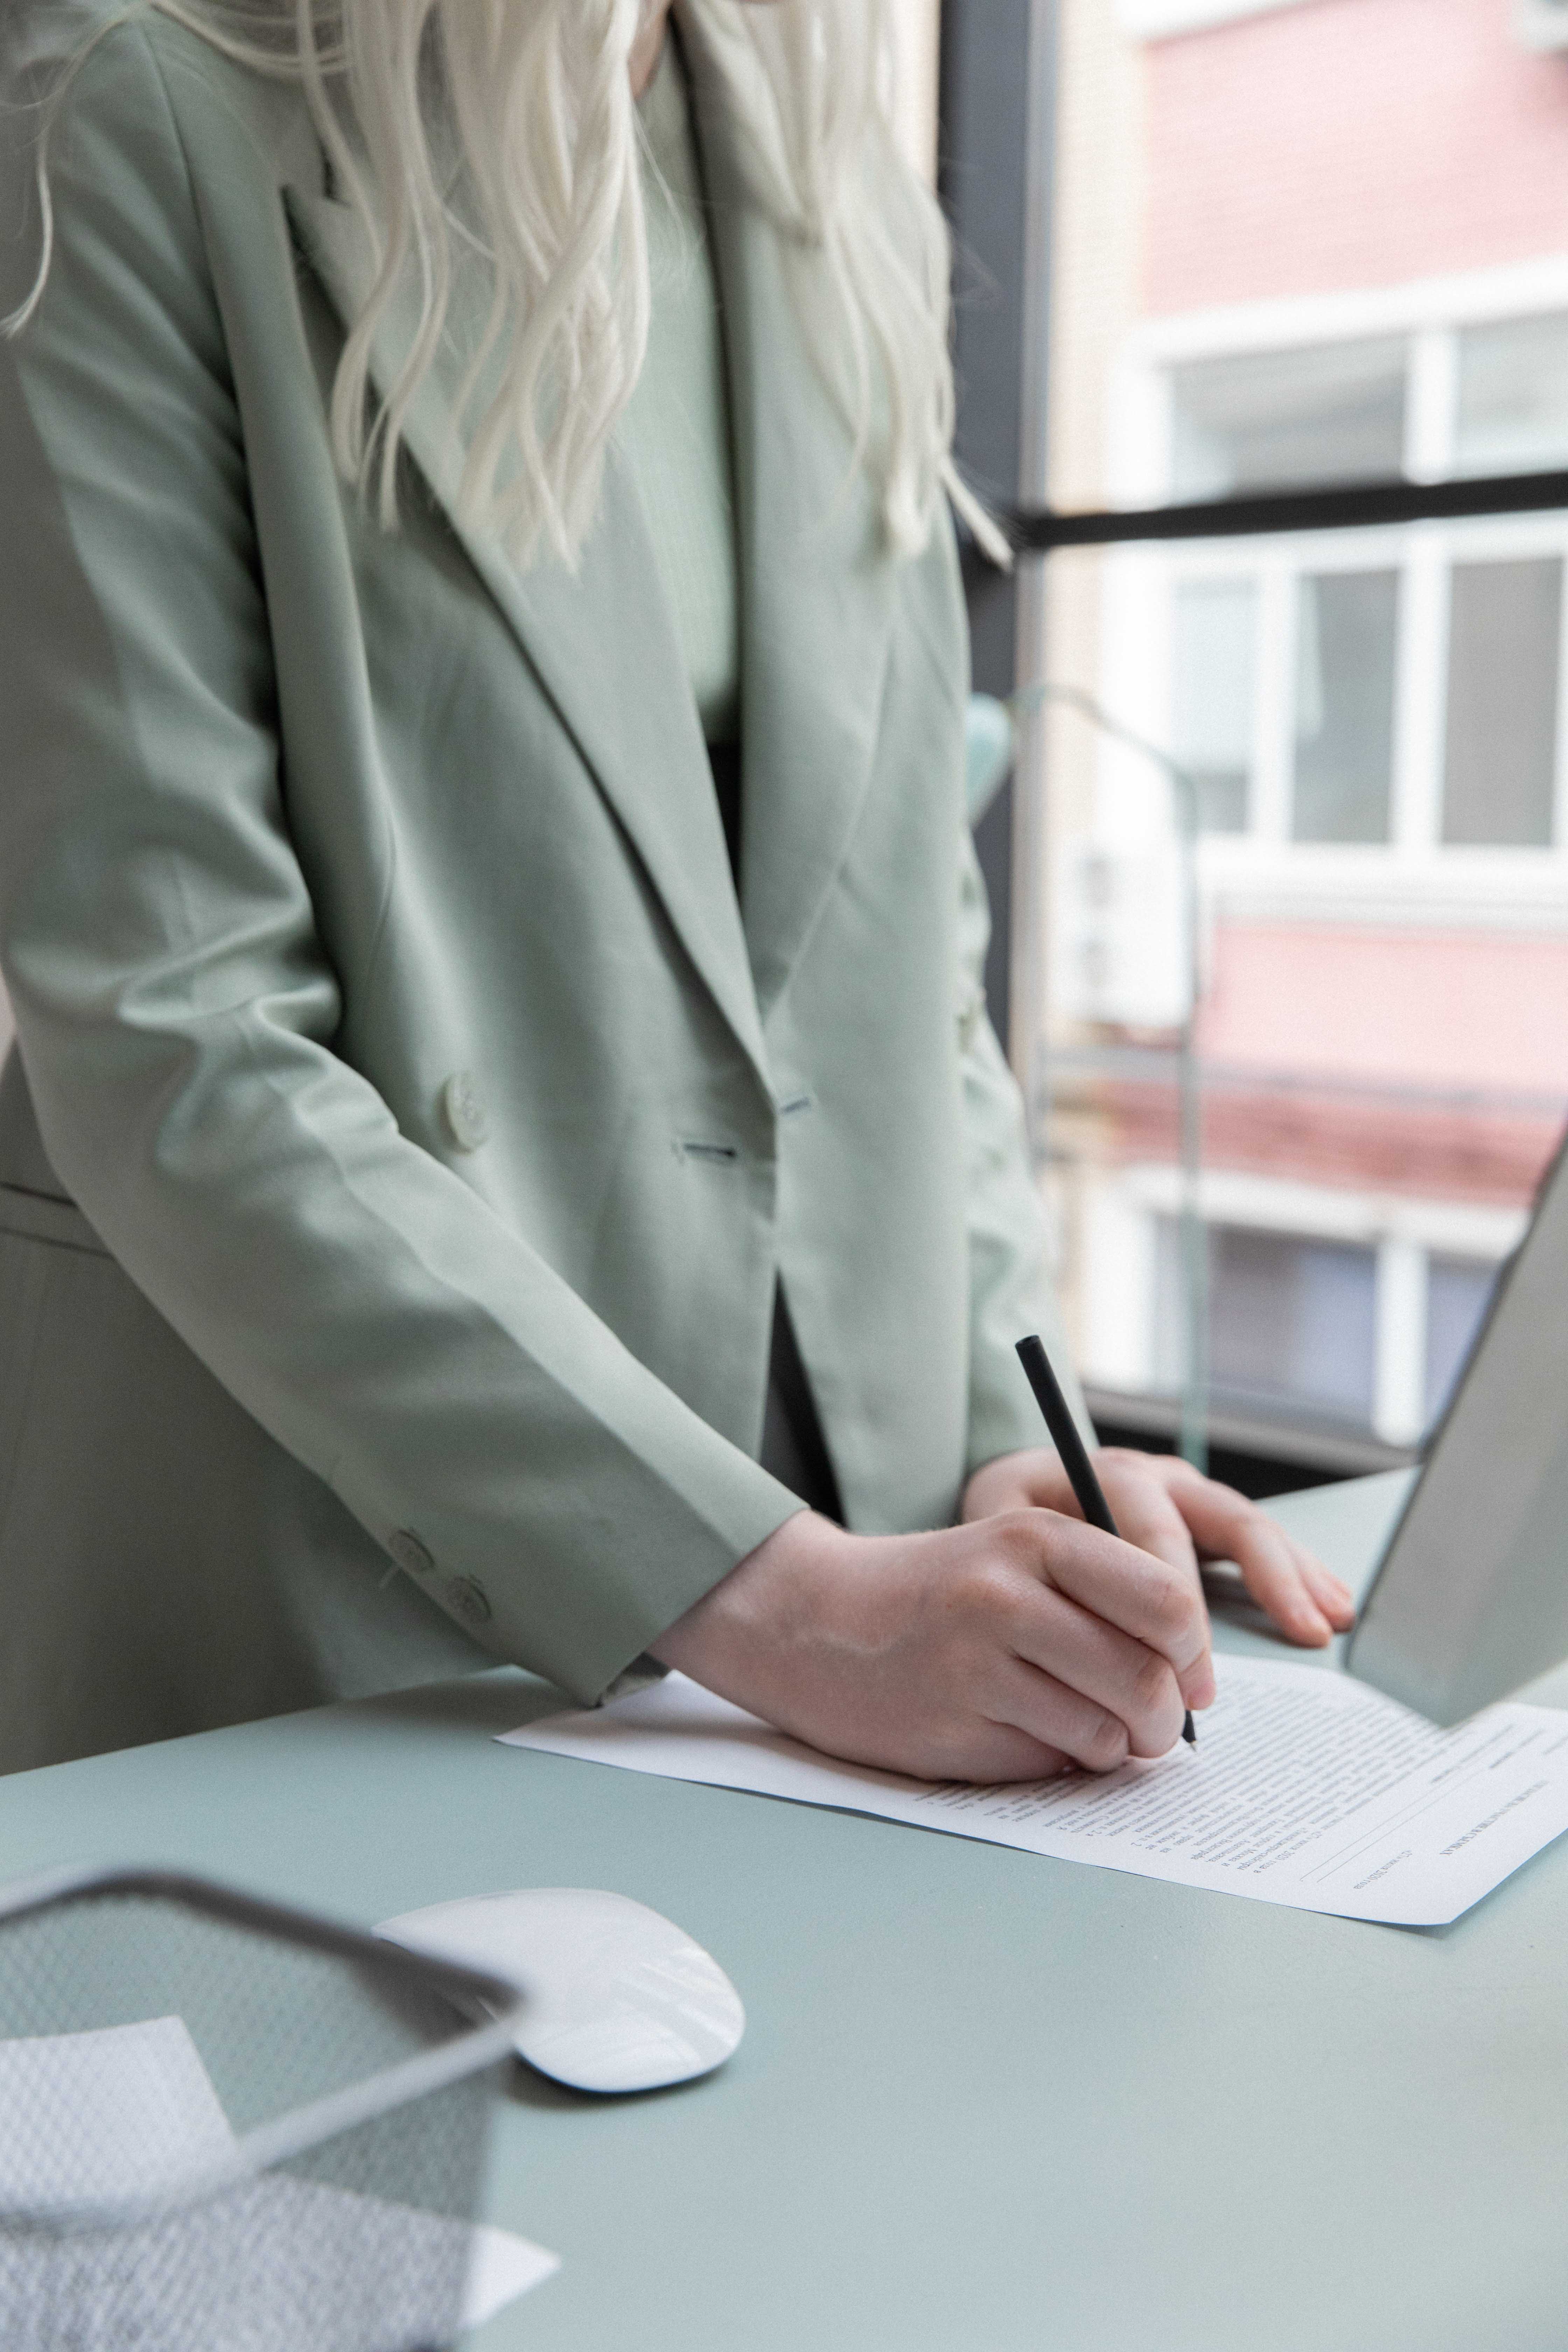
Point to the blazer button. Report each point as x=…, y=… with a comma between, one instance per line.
x=409, y=1553
x=470, y=1598
x=464, y=1111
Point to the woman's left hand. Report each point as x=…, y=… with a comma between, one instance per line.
x=1167, y=1507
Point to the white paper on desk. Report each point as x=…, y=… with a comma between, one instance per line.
x=129, y=2110
x=1305, y=1788
x=96, y=2118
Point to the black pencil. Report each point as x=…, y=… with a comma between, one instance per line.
x=1074, y=1455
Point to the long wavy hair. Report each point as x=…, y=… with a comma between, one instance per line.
x=504, y=132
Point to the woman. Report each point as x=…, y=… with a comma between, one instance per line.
x=492, y=937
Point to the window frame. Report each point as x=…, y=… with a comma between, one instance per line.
x=1404, y=1233
x=1140, y=577
x=1424, y=557
x=1159, y=20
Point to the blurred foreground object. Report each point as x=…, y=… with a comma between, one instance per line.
x=226, y=2124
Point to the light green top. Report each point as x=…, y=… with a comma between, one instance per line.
x=676, y=431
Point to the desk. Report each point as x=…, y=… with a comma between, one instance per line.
x=987, y=2102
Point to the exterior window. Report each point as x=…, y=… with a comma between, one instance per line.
x=1458, y=1290
x=1295, y=248
x=1513, y=396
x=1346, y=633
x=1504, y=629
x=1213, y=694
x=1271, y=418
x=1292, y=1322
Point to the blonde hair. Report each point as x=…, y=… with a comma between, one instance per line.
x=505, y=131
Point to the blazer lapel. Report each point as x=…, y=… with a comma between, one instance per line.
x=601, y=641
x=819, y=589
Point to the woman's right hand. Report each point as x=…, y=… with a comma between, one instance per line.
x=999, y=1650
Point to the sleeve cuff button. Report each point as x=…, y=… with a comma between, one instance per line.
x=409, y=1553
x=468, y=1596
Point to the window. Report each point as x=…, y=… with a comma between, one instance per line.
x=1364, y=1337
x=1458, y=1291
x=1292, y=1323
x=1294, y=247
x=1513, y=396
x=1214, y=694
x=1504, y=631
x=1459, y=638
x=1407, y=706
x=1345, y=630
x=1264, y=420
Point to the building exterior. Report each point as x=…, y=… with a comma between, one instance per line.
x=1306, y=241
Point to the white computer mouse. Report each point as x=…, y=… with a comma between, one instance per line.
x=618, y=1999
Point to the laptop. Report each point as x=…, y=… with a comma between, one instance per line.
x=1471, y=1598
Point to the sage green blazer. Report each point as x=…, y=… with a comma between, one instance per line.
x=408, y=1129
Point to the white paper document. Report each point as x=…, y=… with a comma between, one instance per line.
x=1305, y=1788
x=95, y=2118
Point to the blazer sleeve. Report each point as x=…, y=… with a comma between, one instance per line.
x=176, y=1012
x=1010, y=1286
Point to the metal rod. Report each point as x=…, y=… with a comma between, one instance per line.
x=1343, y=506
x=1189, y=1074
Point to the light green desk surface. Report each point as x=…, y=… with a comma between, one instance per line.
x=985, y=2101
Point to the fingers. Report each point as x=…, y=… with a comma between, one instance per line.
x=1296, y=1589
x=1156, y=1602
x=1063, y=1721
x=1145, y=1512
x=1091, y=1690
x=985, y=1751
x=1161, y=1505
x=1332, y=1593
x=1015, y=1482
x=957, y=1654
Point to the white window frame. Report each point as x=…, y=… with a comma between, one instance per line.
x=1415, y=874
x=1159, y=20
x=1403, y=1234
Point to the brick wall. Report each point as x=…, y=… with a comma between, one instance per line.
x=1476, y=1011
x=1350, y=143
